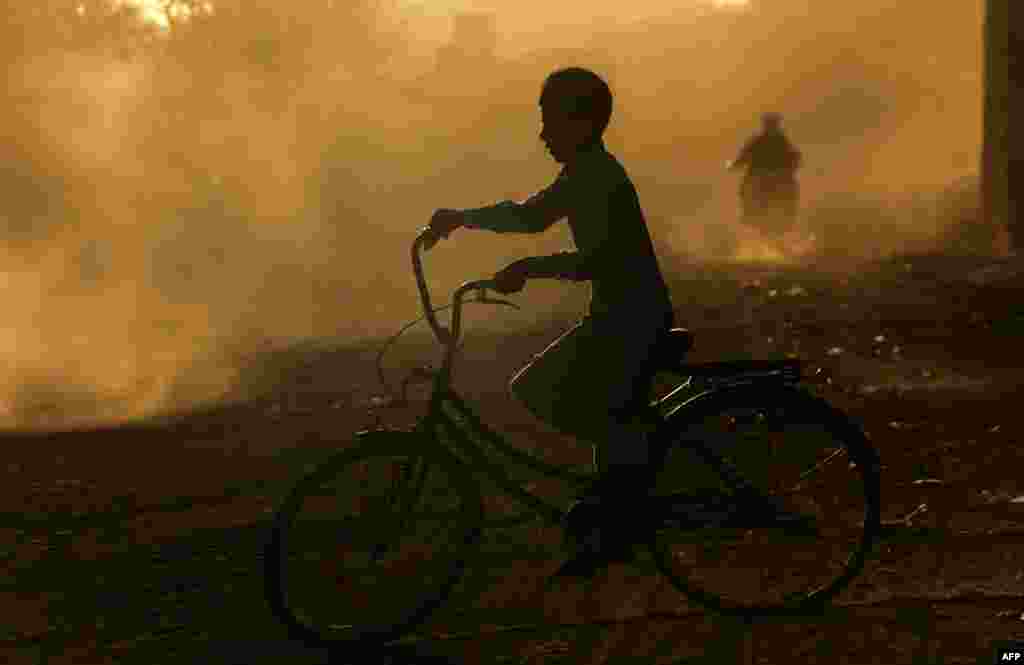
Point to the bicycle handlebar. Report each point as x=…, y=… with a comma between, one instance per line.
x=449, y=338
x=417, y=264
x=444, y=336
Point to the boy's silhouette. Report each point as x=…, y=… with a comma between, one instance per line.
x=769, y=194
x=595, y=380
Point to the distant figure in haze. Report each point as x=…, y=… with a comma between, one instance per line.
x=769, y=195
x=594, y=380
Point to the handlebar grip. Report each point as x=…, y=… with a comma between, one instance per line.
x=427, y=239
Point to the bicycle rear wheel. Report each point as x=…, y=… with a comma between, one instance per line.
x=368, y=544
x=796, y=450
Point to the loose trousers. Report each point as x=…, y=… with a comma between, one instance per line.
x=593, y=383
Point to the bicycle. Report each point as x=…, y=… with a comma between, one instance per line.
x=427, y=481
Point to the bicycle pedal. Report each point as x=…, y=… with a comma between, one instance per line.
x=732, y=515
x=775, y=517
x=701, y=512
x=798, y=525
x=694, y=523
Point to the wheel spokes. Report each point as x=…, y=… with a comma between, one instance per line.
x=370, y=540
x=790, y=538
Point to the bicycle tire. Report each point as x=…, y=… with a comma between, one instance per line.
x=373, y=445
x=851, y=440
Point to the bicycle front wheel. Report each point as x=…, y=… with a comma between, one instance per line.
x=807, y=536
x=367, y=545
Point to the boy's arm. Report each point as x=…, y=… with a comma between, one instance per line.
x=564, y=265
x=598, y=210
x=533, y=215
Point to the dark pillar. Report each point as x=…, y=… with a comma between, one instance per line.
x=1002, y=92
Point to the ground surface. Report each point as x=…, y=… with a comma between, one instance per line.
x=141, y=544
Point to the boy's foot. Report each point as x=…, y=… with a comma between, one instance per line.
x=597, y=533
x=586, y=560
x=583, y=567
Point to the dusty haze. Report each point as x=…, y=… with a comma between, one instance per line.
x=254, y=176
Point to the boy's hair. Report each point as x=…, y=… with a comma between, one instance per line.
x=579, y=91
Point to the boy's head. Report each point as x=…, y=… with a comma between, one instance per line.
x=576, y=105
x=772, y=120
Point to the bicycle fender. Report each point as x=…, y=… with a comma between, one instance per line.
x=714, y=400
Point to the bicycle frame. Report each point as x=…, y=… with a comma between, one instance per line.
x=450, y=419
x=453, y=423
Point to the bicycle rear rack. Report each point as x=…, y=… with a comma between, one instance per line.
x=730, y=373
x=744, y=371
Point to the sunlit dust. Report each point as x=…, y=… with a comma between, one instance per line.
x=790, y=248
x=160, y=13
x=768, y=254
x=175, y=207
x=760, y=254
x=151, y=11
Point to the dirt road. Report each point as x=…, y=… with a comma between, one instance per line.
x=140, y=544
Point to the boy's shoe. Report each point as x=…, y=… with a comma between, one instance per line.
x=596, y=553
x=582, y=566
x=597, y=532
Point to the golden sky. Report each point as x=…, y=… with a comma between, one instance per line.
x=636, y=9
x=515, y=16
x=519, y=15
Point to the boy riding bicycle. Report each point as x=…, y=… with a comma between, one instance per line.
x=594, y=381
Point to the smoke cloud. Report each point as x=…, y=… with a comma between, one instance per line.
x=253, y=174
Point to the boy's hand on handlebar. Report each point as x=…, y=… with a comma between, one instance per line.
x=512, y=278
x=446, y=220
x=442, y=223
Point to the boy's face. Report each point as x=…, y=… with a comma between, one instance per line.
x=563, y=133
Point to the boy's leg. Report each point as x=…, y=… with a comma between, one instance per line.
x=621, y=438
x=550, y=385
x=607, y=520
x=626, y=470
x=623, y=441
x=592, y=383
